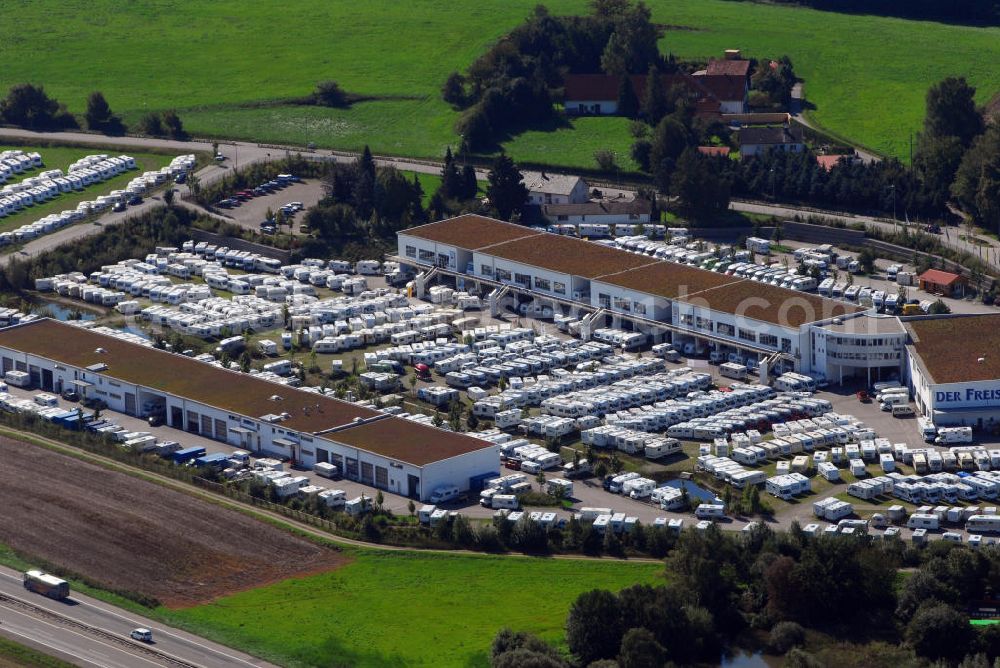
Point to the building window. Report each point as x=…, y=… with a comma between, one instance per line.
x=687, y=319
x=426, y=255
x=723, y=328
x=639, y=308
x=523, y=279
x=559, y=288
x=485, y=270
x=503, y=275
x=542, y=284
x=603, y=300
x=769, y=340
x=411, y=251
x=623, y=304
x=747, y=335
x=786, y=345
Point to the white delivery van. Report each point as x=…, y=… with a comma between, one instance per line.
x=326, y=470
x=444, y=494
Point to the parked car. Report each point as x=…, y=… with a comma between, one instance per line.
x=863, y=396
x=181, y=178
x=70, y=395
x=134, y=200
x=119, y=206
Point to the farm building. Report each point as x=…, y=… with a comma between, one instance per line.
x=246, y=412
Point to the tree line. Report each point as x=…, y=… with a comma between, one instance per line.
x=28, y=106
x=513, y=85
x=957, y=11
x=725, y=590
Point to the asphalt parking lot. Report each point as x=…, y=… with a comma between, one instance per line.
x=879, y=281
x=252, y=213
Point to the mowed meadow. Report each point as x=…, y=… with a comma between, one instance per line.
x=406, y=608
x=230, y=67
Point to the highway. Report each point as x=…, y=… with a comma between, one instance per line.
x=89, y=632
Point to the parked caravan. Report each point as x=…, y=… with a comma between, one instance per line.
x=710, y=511
x=732, y=370
x=923, y=521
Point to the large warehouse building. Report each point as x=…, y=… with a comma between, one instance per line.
x=669, y=301
x=390, y=453
x=954, y=368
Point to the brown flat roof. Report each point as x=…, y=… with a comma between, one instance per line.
x=182, y=376
x=568, y=255
x=408, y=441
x=950, y=347
x=768, y=303
x=668, y=279
x=470, y=231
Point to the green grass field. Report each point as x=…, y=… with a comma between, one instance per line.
x=406, y=609
x=216, y=61
x=61, y=157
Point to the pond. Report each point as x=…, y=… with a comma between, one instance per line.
x=694, y=491
x=64, y=313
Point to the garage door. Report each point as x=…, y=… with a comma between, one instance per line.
x=367, y=473
x=382, y=477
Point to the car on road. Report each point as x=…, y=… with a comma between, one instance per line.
x=181, y=178
x=219, y=157
x=142, y=635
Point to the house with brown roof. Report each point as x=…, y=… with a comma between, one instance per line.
x=943, y=283
x=597, y=94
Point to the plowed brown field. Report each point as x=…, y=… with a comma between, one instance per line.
x=128, y=534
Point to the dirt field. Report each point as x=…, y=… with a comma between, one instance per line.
x=128, y=534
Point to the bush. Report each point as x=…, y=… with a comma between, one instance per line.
x=329, y=94
x=785, y=636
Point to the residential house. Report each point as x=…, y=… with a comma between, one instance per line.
x=555, y=188
x=755, y=141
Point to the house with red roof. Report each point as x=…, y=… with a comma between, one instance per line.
x=944, y=283
x=729, y=82
x=597, y=94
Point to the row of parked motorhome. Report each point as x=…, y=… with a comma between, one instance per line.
x=15, y=161
x=99, y=168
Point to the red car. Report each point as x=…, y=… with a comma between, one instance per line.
x=863, y=396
